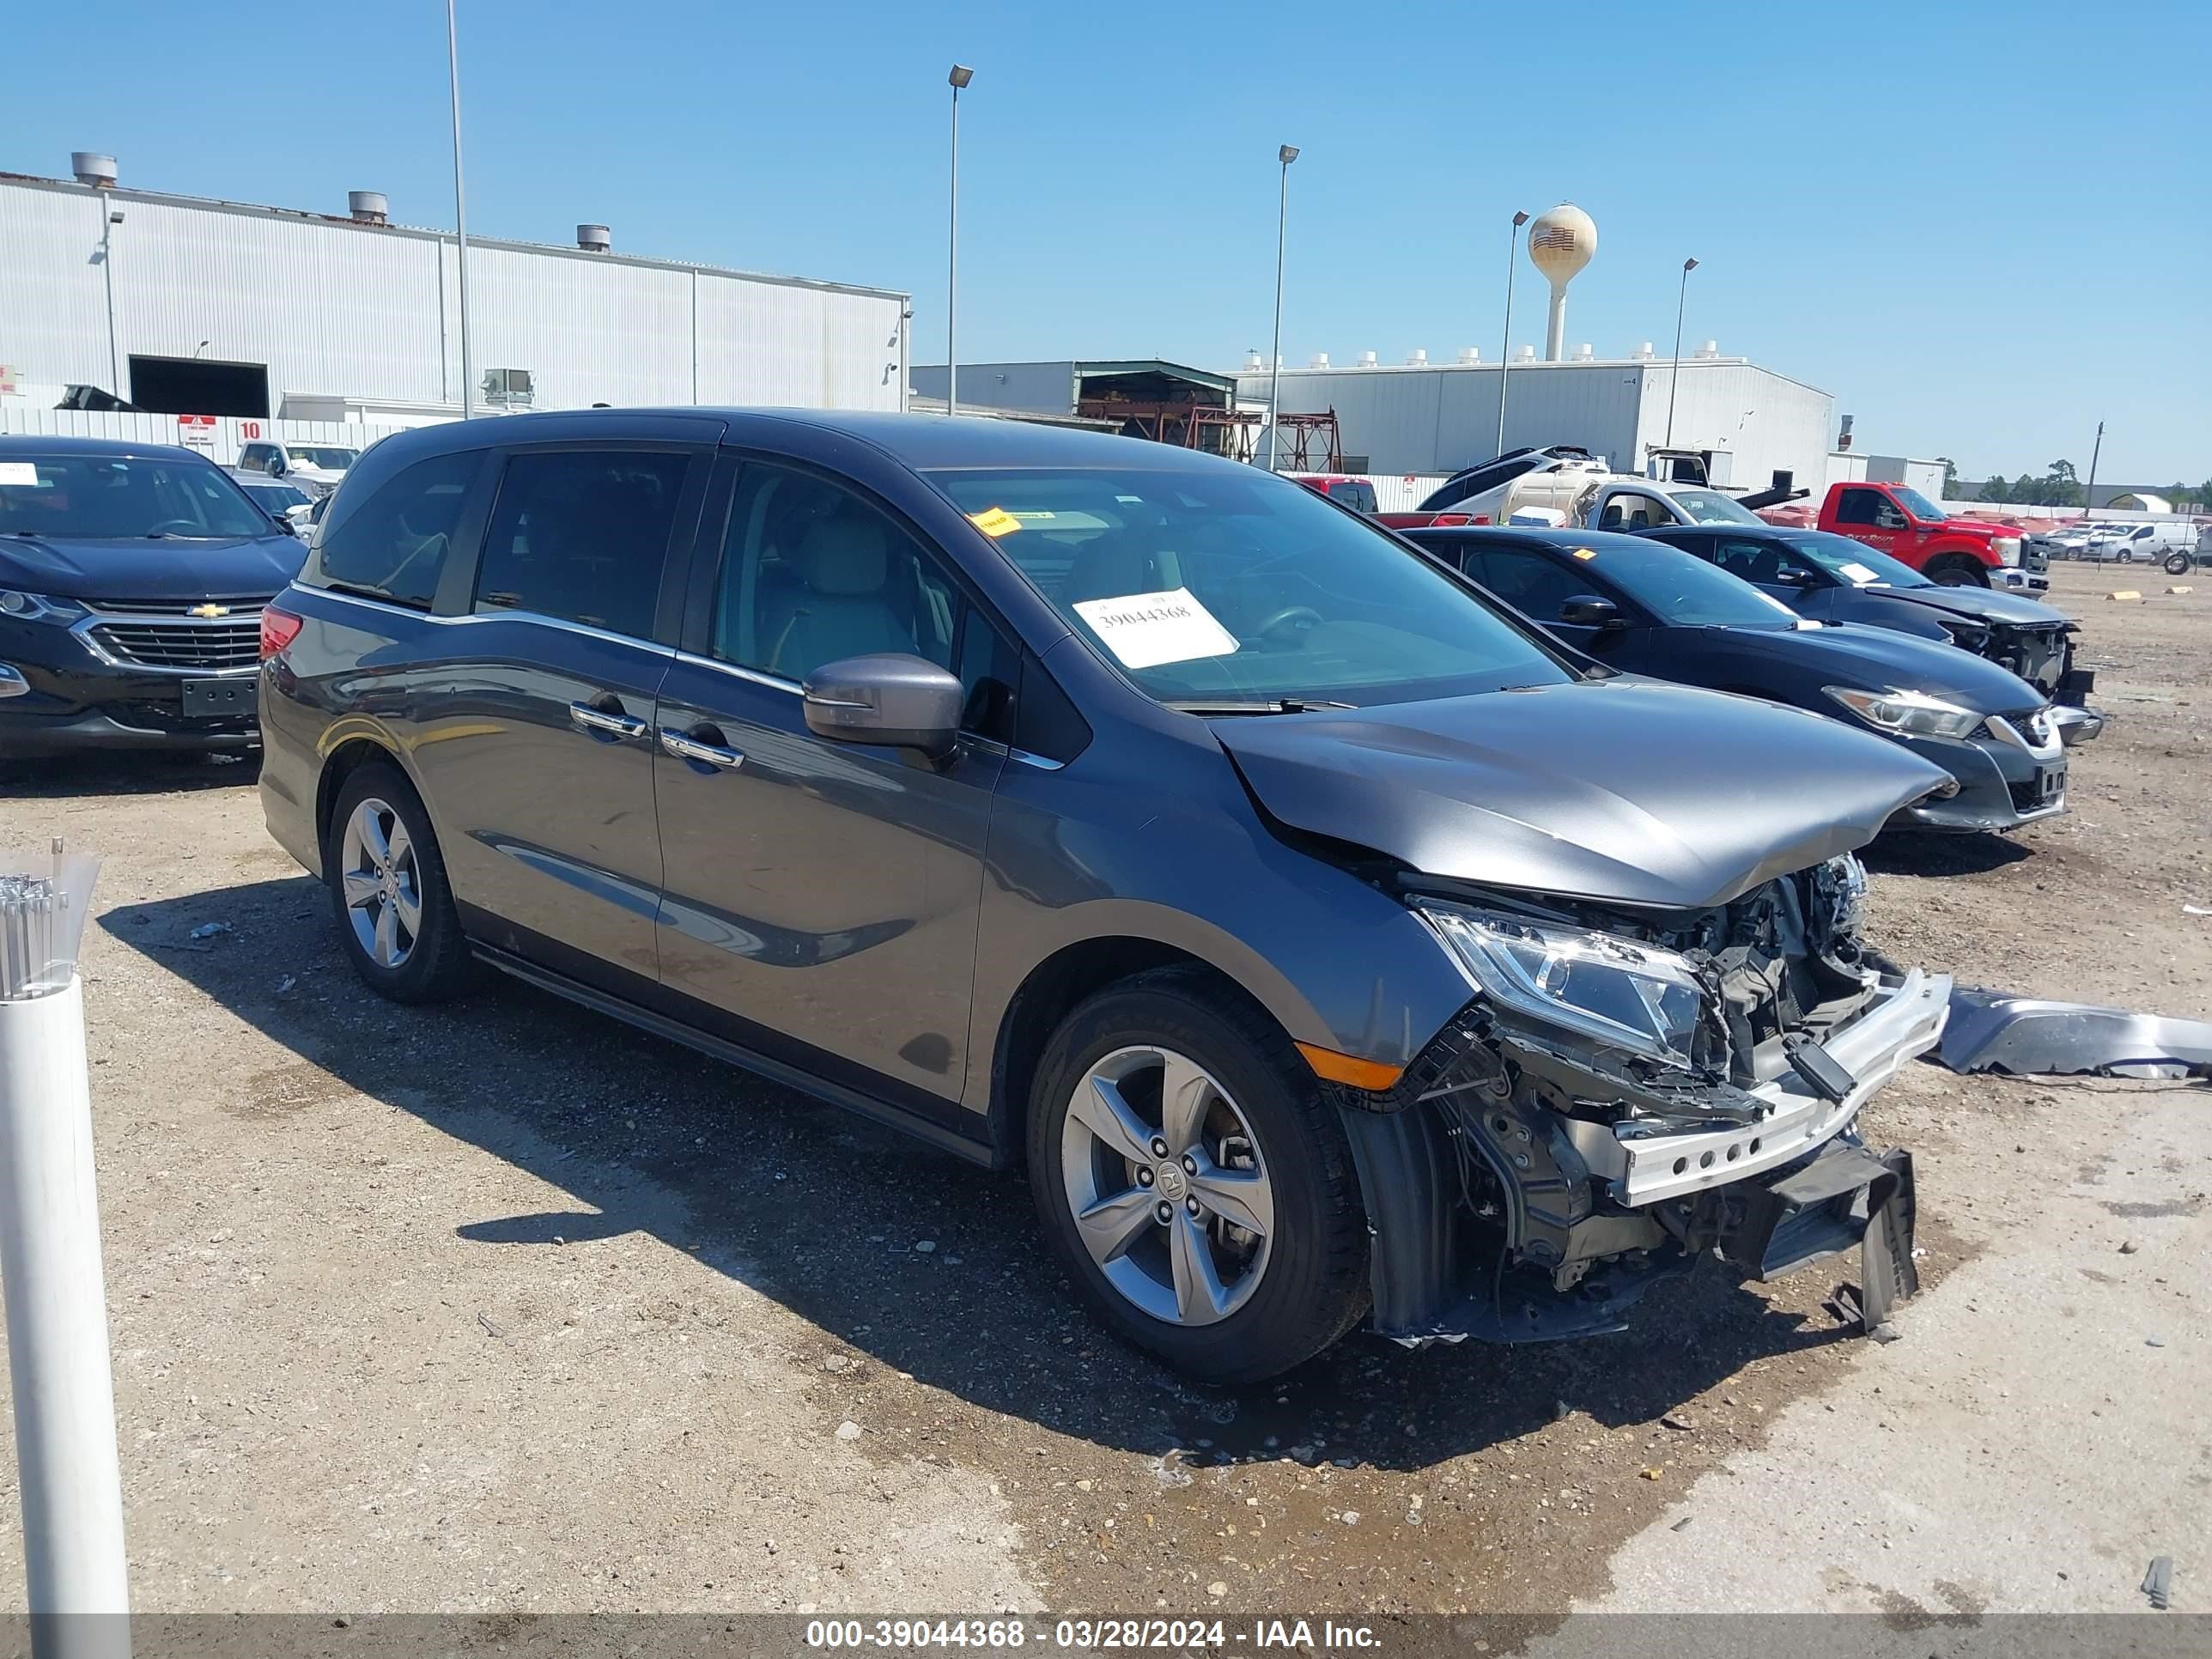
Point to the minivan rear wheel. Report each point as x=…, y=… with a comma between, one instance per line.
x=1194, y=1182
x=395, y=911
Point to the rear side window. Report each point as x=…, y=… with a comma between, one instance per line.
x=393, y=545
x=1355, y=493
x=582, y=536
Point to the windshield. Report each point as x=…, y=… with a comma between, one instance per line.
x=275, y=496
x=322, y=455
x=1211, y=585
x=1855, y=561
x=1918, y=504
x=1680, y=588
x=1711, y=507
x=120, y=497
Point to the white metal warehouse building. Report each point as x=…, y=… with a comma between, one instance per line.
x=1425, y=418
x=186, y=305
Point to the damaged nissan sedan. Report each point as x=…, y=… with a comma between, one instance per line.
x=1332, y=948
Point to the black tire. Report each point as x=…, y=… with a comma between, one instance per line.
x=438, y=965
x=1957, y=570
x=2125, y=556
x=2177, y=564
x=1314, y=1285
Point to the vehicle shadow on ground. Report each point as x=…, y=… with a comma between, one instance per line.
x=1909, y=852
x=154, y=773
x=824, y=1212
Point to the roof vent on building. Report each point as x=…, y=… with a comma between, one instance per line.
x=1583, y=354
x=93, y=168
x=1368, y=360
x=1416, y=357
x=369, y=207
x=595, y=239
x=1644, y=352
x=1320, y=360
x=1711, y=348
x=1525, y=355
x=1470, y=354
x=1253, y=360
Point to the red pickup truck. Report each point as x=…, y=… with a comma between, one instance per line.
x=1904, y=524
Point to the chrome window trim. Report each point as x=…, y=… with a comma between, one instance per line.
x=752, y=676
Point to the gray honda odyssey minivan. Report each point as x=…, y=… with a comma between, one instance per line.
x=1328, y=945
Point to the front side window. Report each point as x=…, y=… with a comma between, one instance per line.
x=1533, y=583
x=392, y=546
x=96, y=497
x=1919, y=506
x=1225, y=584
x=1862, y=507
x=1711, y=507
x=1768, y=563
x=812, y=573
x=582, y=536
x=1855, y=561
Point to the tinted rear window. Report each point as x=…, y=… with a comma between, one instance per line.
x=581, y=536
x=393, y=545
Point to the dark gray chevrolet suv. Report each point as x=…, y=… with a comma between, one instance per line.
x=1326, y=943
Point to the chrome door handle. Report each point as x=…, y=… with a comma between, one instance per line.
x=706, y=754
x=597, y=719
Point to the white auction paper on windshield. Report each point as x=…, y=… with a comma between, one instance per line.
x=20, y=473
x=1859, y=572
x=1147, y=629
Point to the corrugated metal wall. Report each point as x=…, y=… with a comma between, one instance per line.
x=1439, y=420
x=374, y=313
x=1763, y=421
x=229, y=432
x=1033, y=388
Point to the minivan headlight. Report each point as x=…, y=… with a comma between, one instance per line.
x=37, y=607
x=1638, y=997
x=1911, y=714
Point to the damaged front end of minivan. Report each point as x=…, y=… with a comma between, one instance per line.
x=1626, y=1090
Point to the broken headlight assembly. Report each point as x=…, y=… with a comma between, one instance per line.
x=1907, y=713
x=1635, y=997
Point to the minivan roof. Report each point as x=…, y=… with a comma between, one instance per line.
x=920, y=441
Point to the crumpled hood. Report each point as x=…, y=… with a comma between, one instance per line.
x=1982, y=604
x=171, y=568
x=1882, y=659
x=1625, y=790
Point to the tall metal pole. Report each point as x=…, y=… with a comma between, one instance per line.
x=1286, y=154
x=2089, y=494
x=108, y=218
x=1674, y=373
x=460, y=218
x=960, y=76
x=1505, y=356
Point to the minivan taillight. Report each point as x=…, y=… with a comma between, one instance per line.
x=278, y=629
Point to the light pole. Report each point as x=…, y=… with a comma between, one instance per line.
x=1674, y=374
x=961, y=75
x=461, y=217
x=1286, y=154
x=1505, y=357
x=2088, y=496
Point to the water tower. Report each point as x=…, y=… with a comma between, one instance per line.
x=1561, y=243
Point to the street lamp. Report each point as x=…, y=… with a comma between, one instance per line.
x=1286, y=154
x=1505, y=357
x=460, y=218
x=960, y=76
x=1674, y=374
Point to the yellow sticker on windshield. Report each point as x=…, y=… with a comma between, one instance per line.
x=1586, y=552
x=995, y=521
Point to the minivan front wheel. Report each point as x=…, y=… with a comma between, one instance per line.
x=395, y=911
x=1194, y=1182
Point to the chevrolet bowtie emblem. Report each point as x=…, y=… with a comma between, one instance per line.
x=208, y=611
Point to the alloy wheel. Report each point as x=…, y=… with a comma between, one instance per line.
x=1165, y=1182
x=381, y=882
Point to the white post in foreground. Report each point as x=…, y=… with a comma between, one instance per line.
x=78, y=1589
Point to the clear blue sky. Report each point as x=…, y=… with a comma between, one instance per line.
x=1983, y=226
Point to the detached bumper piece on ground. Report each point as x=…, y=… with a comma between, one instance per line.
x=1989, y=1031
x=1526, y=1185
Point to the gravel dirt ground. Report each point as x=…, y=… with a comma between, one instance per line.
x=504, y=1307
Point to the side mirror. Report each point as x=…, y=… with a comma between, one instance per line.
x=897, y=701
x=1591, y=611
x=276, y=467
